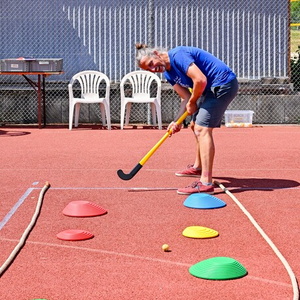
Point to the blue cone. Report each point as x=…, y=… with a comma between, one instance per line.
x=203, y=201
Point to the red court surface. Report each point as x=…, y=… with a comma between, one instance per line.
x=260, y=166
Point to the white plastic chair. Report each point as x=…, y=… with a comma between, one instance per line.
x=89, y=82
x=140, y=83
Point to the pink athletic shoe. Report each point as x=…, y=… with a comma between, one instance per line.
x=190, y=171
x=196, y=187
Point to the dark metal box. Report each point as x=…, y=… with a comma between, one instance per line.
x=14, y=65
x=46, y=65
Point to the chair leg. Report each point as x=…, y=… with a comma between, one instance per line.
x=77, y=110
x=128, y=110
x=158, y=111
x=108, y=118
x=102, y=110
x=153, y=110
x=123, y=107
x=107, y=111
x=71, y=115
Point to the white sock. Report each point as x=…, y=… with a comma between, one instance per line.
x=197, y=168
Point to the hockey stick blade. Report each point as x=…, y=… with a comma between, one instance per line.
x=129, y=176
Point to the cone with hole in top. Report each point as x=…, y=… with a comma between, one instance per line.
x=74, y=235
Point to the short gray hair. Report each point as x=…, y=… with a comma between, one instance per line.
x=143, y=50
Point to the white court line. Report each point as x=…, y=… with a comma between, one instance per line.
x=129, y=189
x=89, y=188
x=134, y=256
x=15, y=207
x=167, y=188
x=29, y=190
x=140, y=189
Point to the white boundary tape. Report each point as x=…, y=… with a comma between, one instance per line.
x=24, y=236
x=268, y=240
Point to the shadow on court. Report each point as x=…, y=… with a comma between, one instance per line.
x=237, y=185
x=9, y=133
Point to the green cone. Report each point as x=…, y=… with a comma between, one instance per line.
x=218, y=268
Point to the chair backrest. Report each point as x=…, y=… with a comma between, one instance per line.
x=90, y=81
x=141, y=83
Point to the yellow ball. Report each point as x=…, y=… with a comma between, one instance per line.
x=165, y=247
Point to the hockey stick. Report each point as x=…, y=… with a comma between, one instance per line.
x=134, y=171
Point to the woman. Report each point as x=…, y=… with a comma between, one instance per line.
x=195, y=75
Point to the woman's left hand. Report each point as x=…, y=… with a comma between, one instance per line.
x=191, y=107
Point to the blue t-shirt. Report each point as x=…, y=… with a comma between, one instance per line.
x=216, y=71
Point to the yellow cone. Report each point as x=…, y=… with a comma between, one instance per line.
x=199, y=232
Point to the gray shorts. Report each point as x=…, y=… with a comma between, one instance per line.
x=213, y=104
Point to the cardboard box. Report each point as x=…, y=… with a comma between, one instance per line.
x=238, y=118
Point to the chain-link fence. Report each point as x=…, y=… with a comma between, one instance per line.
x=252, y=37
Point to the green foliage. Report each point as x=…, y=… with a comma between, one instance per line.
x=295, y=70
x=295, y=12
